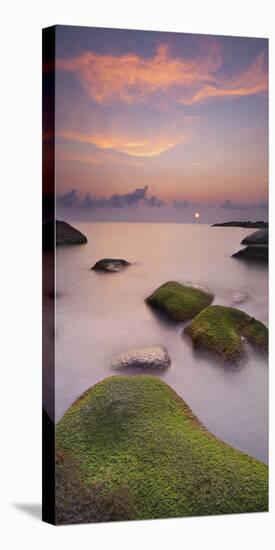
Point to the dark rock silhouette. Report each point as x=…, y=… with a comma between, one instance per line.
x=257, y=237
x=258, y=224
x=258, y=253
x=110, y=265
x=65, y=234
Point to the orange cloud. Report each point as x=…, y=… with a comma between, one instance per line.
x=130, y=77
x=136, y=147
x=102, y=159
x=80, y=158
x=253, y=81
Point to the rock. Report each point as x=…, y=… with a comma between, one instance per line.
x=219, y=330
x=180, y=302
x=110, y=265
x=154, y=357
x=257, y=249
x=152, y=459
x=257, y=237
x=77, y=503
x=239, y=298
x=257, y=253
x=65, y=234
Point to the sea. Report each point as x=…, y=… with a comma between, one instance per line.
x=99, y=315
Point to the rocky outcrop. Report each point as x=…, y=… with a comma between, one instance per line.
x=257, y=253
x=257, y=237
x=180, y=302
x=154, y=357
x=138, y=447
x=223, y=330
x=65, y=234
x=257, y=249
x=110, y=265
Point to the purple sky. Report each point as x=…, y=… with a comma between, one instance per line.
x=156, y=126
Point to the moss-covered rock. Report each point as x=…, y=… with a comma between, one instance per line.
x=77, y=503
x=222, y=331
x=135, y=432
x=180, y=302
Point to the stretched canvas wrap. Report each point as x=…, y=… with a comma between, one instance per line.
x=155, y=275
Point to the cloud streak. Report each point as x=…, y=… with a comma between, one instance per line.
x=129, y=145
x=131, y=78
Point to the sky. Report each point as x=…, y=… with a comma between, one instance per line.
x=155, y=126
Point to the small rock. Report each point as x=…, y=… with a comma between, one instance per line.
x=155, y=357
x=239, y=298
x=110, y=265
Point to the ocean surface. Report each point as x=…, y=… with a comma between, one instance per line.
x=99, y=315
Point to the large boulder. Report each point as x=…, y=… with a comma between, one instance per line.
x=154, y=357
x=223, y=330
x=256, y=253
x=257, y=237
x=257, y=249
x=110, y=265
x=65, y=234
x=133, y=442
x=180, y=302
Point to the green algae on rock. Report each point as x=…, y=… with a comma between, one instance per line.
x=77, y=503
x=222, y=331
x=135, y=432
x=180, y=301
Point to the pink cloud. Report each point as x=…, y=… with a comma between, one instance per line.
x=131, y=78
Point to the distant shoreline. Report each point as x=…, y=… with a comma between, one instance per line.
x=253, y=225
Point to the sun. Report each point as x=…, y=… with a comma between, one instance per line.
x=197, y=215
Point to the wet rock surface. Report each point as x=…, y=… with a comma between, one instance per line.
x=154, y=357
x=110, y=265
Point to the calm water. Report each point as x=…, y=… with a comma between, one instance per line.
x=99, y=315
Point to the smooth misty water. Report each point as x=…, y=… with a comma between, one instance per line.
x=99, y=315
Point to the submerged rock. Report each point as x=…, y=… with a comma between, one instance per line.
x=223, y=330
x=257, y=237
x=65, y=234
x=239, y=298
x=257, y=253
x=151, y=459
x=180, y=302
x=154, y=357
x=110, y=265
